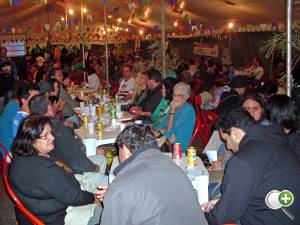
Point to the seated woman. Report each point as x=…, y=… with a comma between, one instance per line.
x=179, y=124
x=164, y=106
x=254, y=104
x=282, y=110
x=139, y=91
x=45, y=186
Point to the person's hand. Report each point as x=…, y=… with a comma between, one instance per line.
x=206, y=207
x=97, y=169
x=97, y=201
x=100, y=150
x=215, y=166
x=100, y=192
x=57, y=106
x=174, y=105
x=135, y=110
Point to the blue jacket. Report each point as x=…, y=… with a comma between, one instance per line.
x=184, y=122
x=6, y=118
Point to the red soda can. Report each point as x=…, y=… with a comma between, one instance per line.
x=177, y=151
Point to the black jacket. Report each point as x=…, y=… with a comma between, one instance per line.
x=69, y=149
x=265, y=162
x=46, y=189
x=228, y=101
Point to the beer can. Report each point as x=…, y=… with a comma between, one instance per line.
x=177, y=151
x=99, y=110
x=99, y=126
x=191, y=156
x=85, y=121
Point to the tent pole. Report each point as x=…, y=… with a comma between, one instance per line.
x=106, y=47
x=163, y=37
x=289, y=49
x=82, y=42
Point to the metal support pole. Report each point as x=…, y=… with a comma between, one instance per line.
x=106, y=47
x=289, y=49
x=82, y=42
x=163, y=37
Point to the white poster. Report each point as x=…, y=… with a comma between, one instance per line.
x=206, y=50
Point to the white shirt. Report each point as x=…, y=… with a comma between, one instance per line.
x=126, y=87
x=93, y=82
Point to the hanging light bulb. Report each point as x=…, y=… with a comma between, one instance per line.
x=71, y=11
x=141, y=32
x=84, y=10
x=119, y=20
x=126, y=29
x=175, y=24
x=129, y=21
x=182, y=5
x=62, y=18
x=230, y=25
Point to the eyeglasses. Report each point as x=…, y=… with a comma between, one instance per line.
x=175, y=95
x=46, y=136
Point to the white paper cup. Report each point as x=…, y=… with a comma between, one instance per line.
x=113, y=122
x=91, y=127
x=93, y=110
x=81, y=106
x=86, y=110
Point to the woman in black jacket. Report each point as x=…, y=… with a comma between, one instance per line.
x=45, y=186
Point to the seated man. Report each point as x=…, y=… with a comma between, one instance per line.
x=68, y=147
x=149, y=188
x=127, y=83
x=153, y=96
x=262, y=162
x=20, y=91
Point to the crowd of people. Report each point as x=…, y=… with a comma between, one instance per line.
x=257, y=123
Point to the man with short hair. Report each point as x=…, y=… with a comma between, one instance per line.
x=127, y=83
x=24, y=94
x=68, y=147
x=230, y=99
x=149, y=189
x=152, y=98
x=263, y=162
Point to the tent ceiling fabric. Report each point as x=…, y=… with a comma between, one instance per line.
x=208, y=12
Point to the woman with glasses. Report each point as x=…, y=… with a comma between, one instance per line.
x=45, y=186
x=178, y=125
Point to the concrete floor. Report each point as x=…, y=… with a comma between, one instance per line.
x=7, y=212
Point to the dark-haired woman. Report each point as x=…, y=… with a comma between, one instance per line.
x=282, y=110
x=254, y=104
x=45, y=186
x=164, y=106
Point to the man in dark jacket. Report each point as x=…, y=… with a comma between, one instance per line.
x=68, y=147
x=263, y=162
x=149, y=188
x=230, y=100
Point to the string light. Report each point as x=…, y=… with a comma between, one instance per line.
x=129, y=21
x=141, y=32
x=62, y=18
x=109, y=16
x=230, y=25
x=126, y=29
x=71, y=11
x=84, y=10
x=119, y=20
x=175, y=24
x=182, y=5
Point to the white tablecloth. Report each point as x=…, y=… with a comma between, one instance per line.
x=197, y=174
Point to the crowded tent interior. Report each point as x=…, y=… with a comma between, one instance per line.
x=150, y=112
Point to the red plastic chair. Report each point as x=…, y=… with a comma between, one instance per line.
x=204, y=122
x=4, y=159
x=33, y=219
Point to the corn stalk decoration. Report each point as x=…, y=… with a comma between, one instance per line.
x=277, y=46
